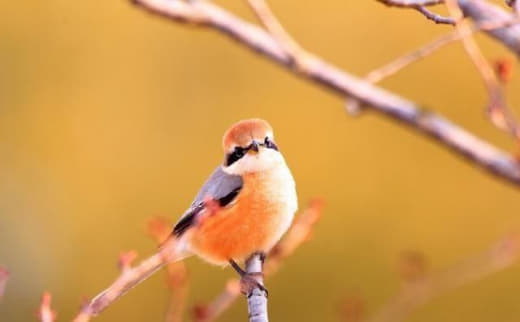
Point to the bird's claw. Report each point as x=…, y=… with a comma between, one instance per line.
x=248, y=283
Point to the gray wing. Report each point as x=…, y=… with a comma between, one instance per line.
x=220, y=186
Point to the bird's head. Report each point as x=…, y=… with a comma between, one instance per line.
x=249, y=147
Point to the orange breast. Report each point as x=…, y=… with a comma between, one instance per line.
x=249, y=225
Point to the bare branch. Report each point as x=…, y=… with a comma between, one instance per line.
x=45, y=313
x=447, y=133
x=421, y=7
x=410, y=3
x=421, y=287
x=4, y=276
x=296, y=53
x=298, y=234
x=434, y=16
x=257, y=298
x=497, y=107
x=129, y=278
x=482, y=11
x=396, y=65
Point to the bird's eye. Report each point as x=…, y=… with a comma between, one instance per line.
x=270, y=144
x=234, y=156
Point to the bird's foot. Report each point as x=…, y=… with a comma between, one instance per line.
x=249, y=281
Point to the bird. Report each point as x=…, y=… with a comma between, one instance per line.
x=246, y=204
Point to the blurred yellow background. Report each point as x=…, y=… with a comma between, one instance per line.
x=109, y=116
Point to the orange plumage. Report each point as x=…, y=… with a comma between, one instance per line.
x=252, y=215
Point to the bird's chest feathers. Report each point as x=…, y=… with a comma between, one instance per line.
x=269, y=193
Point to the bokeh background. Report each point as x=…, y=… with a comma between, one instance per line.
x=109, y=116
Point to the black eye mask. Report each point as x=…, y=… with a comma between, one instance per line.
x=239, y=152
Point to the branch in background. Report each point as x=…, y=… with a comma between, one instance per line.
x=419, y=287
x=4, y=276
x=396, y=65
x=291, y=48
x=410, y=3
x=421, y=7
x=434, y=16
x=177, y=275
x=479, y=152
x=481, y=11
x=299, y=233
x=129, y=278
x=45, y=312
x=497, y=108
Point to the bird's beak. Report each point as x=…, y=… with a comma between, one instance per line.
x=253, y=148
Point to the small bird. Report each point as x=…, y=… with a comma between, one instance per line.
x=245, y=206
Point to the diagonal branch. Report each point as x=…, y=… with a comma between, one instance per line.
x=481, y=11
x=129, y=278
x=435, y=17
x=450, y=135
x=399, y=63
x=295, y=52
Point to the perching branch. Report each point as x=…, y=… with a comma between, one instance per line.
x=257, y=298
x=474, y=149
x=299, y=233
x=131, y=276
x=420, y=287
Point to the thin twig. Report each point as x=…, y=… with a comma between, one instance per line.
x=299, y=233
x=435, y=17
x=300, y=58
x=445, y=132
x=497, y=106
x=45, y=312
x=410, y=3
x=396, y=65
x=421, y=7
x=423, y=288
